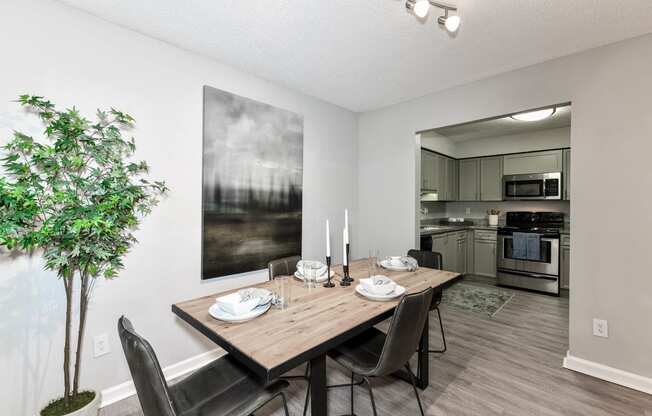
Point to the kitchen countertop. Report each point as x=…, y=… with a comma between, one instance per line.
x=435, y=229
x=443, y=229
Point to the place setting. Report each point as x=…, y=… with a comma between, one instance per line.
x=243, y=305
x=379, y=287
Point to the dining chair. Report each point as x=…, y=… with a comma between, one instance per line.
x=286, y=266
x=432, y=260
x=223, y=387
x=375, y=354
x=283, y=267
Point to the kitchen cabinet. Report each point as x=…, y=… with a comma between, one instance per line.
x=533, y=162
x=429, y=171
x=484, y=253
x=460, y=252
x=440, y=174
x=452, y=178
x=491, y=179
x=453, y=249
x=564, y=262
x=469, y=180
x=481, y=179
x=567, y=174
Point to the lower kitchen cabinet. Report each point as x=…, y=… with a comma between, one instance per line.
x=484, y=257
x=453, y=249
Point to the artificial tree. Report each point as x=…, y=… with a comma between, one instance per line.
x=77, y=196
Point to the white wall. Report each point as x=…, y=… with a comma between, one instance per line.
x=75, y=59
x=612, y=124
x=515, y=143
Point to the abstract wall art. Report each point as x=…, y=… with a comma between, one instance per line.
x=252, y=184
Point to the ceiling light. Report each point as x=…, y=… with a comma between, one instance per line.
x=421, y=8
x=536, y=115
x=451, y=23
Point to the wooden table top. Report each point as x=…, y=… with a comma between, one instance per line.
x=316, y=320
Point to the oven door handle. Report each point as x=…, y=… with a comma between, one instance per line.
x=534, y=275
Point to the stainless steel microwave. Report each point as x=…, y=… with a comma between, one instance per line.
x=532, y=186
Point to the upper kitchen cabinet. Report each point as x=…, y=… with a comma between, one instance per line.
x=534, y=162
x=452, y=177
x=429, y=171
x=481, y=179
x=491, y=178
x=567, y=174
x=469, y=183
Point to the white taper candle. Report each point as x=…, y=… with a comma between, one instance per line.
x=328, y=239
x=346, y=225
x=345, y=260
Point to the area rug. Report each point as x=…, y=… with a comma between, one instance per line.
x=485, y=300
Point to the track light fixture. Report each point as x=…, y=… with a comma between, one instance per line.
x=420, y=8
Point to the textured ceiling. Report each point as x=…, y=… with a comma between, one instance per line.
x=502, y=126
x=367, y=54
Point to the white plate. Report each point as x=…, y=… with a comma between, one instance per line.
x=386, y=264
x=217, y=313
x=320, y=279
x=398, y=292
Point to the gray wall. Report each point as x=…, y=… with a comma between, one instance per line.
x=76, y=59
x=611, y=180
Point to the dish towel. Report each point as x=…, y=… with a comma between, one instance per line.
x=534, y=247
x=520, y=245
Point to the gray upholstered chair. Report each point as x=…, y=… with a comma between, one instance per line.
x=283, y=267
x=223, y=387
x=432, y=260
x=374, y=354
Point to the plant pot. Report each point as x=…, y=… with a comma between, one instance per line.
x=493, y=220
x=91, y=409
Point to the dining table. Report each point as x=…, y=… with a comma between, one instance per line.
x=316, y=320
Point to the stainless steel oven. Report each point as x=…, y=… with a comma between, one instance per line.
x=532, y=186
x=541, y=274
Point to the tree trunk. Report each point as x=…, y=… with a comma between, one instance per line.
x=68, y=283
x=83, y=307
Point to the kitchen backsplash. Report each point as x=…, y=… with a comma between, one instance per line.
x=479, y=209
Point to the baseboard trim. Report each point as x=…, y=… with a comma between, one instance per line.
x=127, y=389
x=604, y=372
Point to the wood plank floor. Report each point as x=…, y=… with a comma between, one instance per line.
x=506, y=365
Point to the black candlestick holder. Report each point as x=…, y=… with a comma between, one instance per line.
x=347, y=279
x=328, y=273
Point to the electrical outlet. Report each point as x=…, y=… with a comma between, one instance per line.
x=600, y=328
x=468, y=211
x=101, y=345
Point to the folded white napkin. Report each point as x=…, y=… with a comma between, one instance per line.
x=238, y=303
x=320, y=272
x=378, y=285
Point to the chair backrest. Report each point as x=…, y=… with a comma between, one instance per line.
x=430, y=259
x=283, y=267
x=151, y=386
x=404, y=332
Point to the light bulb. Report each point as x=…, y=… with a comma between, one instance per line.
x=421, y=8
x=452, y=23
x=534, y=115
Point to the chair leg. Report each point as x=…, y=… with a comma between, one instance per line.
x=443, y=336
x=352, y=411
x=414, y=386
x=305, y=404
x=285, y=405
x=371, y=396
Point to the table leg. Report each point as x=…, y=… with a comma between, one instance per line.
x=318, y=390
x=423, y=361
